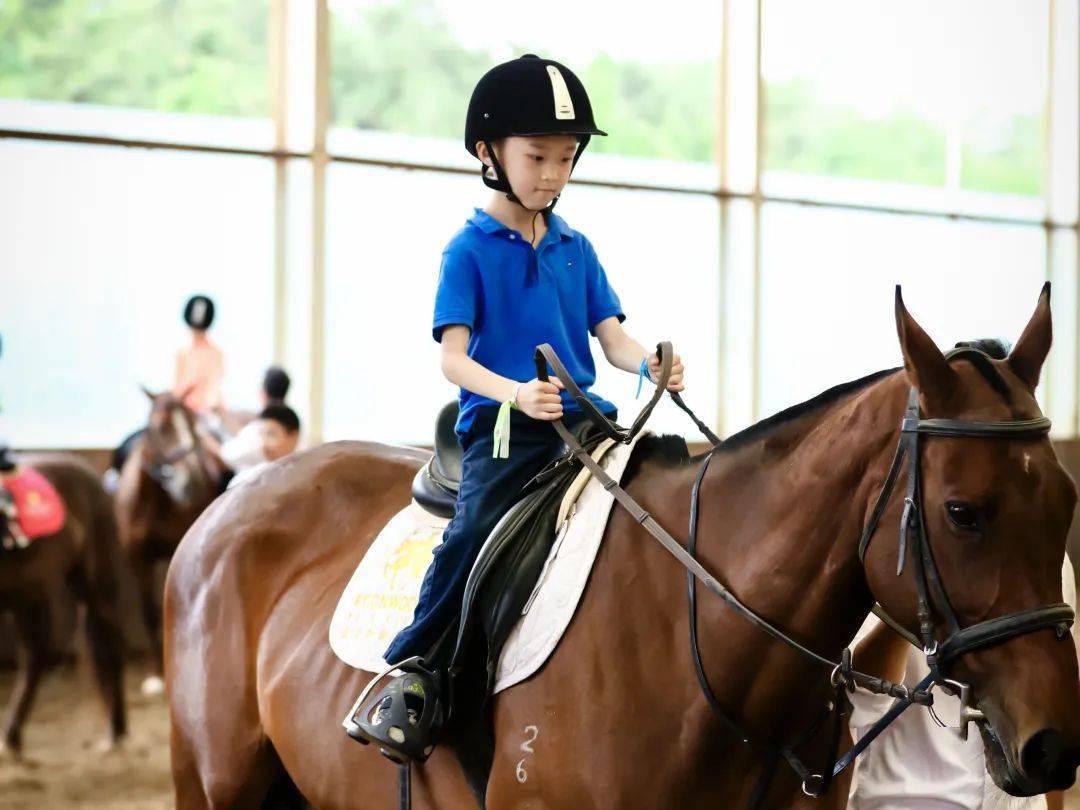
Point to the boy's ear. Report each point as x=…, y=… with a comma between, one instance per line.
x=484, y=152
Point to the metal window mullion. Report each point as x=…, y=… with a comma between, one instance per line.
x=723, y=221
x=279, y=60
x=759, y=159
x=320, y=162
x=1048, y=161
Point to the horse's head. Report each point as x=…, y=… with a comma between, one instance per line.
x=172, y=446
x=987, y=539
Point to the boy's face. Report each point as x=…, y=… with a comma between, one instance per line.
x=277, y=442
x=538, y=166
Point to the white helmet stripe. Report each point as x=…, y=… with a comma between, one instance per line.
x=564, y=107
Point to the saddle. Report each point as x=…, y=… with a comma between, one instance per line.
x=510, y=561
x=508, y=567
x=436, y=486
x=382, y=592
x=30, y=507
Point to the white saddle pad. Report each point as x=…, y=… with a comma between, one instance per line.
x=551, y=606
x=380, y=598
x=382, y=594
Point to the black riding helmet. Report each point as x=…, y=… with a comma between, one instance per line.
x=199, y=312
x=527, y=96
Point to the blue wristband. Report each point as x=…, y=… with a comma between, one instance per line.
x=643, y=374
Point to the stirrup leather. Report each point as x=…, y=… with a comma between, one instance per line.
x=404, y=717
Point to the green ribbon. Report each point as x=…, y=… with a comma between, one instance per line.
x=502, y=432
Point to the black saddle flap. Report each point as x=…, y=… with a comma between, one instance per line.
x=510, y=565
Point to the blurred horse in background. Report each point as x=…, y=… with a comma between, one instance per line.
x=82, y=556
x=168, y=479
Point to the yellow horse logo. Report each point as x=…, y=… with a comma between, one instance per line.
x=409, y=562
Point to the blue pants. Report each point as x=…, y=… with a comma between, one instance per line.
x=489, y=487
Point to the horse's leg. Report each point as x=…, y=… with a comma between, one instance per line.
x=104, y=641
x=33, y=630
x=142, y=564
x=220, y=754
x=210, y=774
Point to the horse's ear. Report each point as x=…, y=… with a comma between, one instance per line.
x=925, y=365
x=150, y=395
x=1027, y=357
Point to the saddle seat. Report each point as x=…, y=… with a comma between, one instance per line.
x=30, y=507
x=436, y=485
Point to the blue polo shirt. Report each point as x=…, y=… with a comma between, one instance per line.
x=514, y=298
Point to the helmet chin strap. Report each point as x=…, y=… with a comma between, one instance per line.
x=501, y=182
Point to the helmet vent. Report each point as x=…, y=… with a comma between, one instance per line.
x=564, y=107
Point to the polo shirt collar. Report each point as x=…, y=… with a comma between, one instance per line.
x=557, y=228
x=486, y=222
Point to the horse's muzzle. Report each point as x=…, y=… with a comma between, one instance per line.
x=1045, y=763
x=1045, y=759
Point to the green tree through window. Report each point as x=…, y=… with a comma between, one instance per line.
x=186, y=56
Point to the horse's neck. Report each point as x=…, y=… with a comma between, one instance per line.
x=780, y=524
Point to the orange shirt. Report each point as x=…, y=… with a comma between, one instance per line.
x=200, y=368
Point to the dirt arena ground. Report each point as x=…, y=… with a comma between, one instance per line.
x=64, y=769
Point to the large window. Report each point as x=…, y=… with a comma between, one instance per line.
x=99, y=249
x=922, y=93
x=828, y=279
x=196, y=56
x=383, y=265
x=409, y=67
x=773, y=169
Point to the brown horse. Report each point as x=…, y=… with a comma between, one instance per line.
x=616, y=717
x=167, y=481
x=83, y=556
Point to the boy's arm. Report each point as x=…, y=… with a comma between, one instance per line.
x=540, y=400
x=623, y=352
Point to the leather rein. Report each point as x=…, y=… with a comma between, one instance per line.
x=932, y=598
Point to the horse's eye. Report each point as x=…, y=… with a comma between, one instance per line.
x=963, y=515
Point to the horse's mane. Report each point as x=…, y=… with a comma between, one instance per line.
x=672, y=450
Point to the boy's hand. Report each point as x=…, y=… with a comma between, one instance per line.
x=541, y=400
x=675, y=382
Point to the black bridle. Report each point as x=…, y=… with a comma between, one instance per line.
x=161, y=466
x=932, y=598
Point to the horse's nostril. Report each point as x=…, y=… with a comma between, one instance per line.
x=1042, y=754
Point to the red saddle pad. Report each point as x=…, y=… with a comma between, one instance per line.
x=40, y=510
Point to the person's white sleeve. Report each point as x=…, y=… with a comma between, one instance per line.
x=243, y=450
